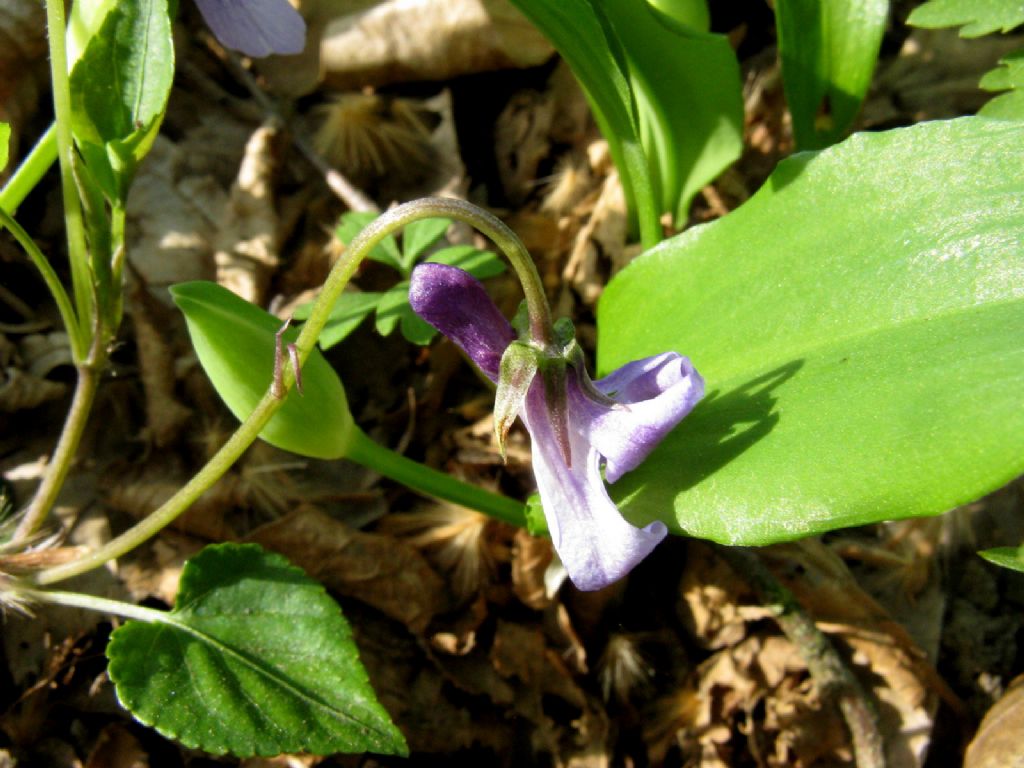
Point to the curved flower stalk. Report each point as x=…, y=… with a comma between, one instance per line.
x=256, y=27
x=578, y=427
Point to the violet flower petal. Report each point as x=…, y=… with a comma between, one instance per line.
x=655, y=393
x=256, y=27
x=596, y=545
x=457, y=304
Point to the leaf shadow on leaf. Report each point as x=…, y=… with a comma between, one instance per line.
x=721, y=427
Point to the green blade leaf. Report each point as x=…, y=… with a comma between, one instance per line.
x=235, y=344
x=689, y=101
x=417, y=237
x=828, y=52
x=480, y=264
x=978, y=17
x=255, y=659
x=385, y=252
x=1007, y=557
x=860, y=326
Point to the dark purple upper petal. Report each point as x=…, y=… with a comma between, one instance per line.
x=596, y=545
x=655, y=393
x=456, y=303
x=256, y=27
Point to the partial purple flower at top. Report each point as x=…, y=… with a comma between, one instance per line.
x=613, y=423
x=256, y=27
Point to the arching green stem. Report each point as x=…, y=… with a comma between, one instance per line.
x=362, y=448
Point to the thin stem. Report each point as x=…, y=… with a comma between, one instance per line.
x=250, y=429
x=635, y=161
x=30, y=172
x=365, y=451
x=832, y=676
x=79, y=343
x=77, y=253
x=98, y=604
x=70, y=436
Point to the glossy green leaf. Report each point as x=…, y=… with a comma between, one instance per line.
x=978, y=17
x=5, y=144
x=255, y=659
x=675, y=91
x=1009, y=76
x=480, y=264
x=235, y=344
x=385, y=252
x=828, y=52
x=690, y=13
x=1007, y=557
x=860, y=326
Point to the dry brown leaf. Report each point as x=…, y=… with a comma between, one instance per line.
x=117, y=747
x=165, y=415
x=999, y=742
x=414, y=40
x=380, y=571
x=531, y=556
x=245, y=247
x=888, y=661
x=20, y=391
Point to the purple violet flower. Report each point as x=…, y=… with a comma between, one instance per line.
x=612, y=423
x=256, y=27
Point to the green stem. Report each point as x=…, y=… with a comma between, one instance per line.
x=98, y=604
x=70, y=436
x=635, y=161
x=390, y=464
x=30, y=172
x=79, y=342
x=365, y=451
x=77, y=253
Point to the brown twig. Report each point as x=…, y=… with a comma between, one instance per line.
x=832, y=676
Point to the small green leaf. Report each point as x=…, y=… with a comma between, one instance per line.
x=121, y=82
x=1007, y=557
x=1009, y=76
x=255, y=659
x=393, y=309
x=978, y=17
x=235, y=344
x=347, y=314
x=859, y=323
x=418, y=236
x=480, y=264
x=5, y=144
x=828, y=52
x=385, y=252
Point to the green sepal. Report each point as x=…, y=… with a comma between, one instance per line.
x=519, y=364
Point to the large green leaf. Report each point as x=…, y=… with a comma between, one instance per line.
x=235, y=344
x=828, y=52
x=1008, y=76
x=978, y=17
x=255, y=659
x=860, y=325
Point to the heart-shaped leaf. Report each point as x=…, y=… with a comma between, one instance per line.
x=860, y=326
x=235, y=344
x=255, y=659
